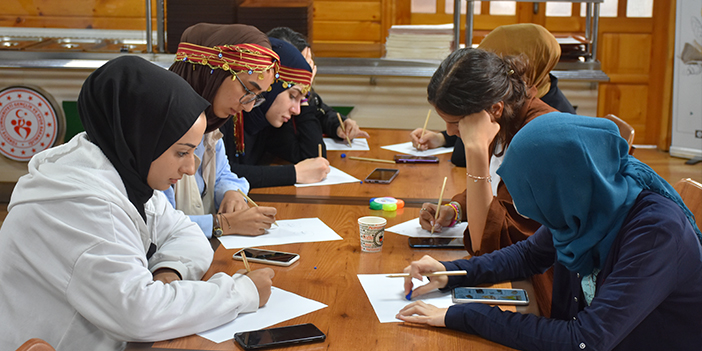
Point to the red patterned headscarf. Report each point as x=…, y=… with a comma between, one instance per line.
x=209, y=53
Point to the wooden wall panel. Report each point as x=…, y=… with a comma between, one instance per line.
x=623, y=53
x=352, y=28
x=628, y=102
x=76, y=22
x=98, y=14
x=347, y=11
x=352, y=31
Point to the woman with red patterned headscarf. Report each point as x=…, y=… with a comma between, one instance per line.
x=230, y=66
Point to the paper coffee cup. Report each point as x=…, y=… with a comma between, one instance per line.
x=372, y=231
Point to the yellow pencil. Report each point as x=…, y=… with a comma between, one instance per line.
x=245, y=260
x=438, y=206
x=343, y=129
x=402, y=275
x=370, y=159
x=251, y=201
x=424, y=129
x=319, y=147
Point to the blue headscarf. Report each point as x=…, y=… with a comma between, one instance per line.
x=573, y=174
x=292, y=65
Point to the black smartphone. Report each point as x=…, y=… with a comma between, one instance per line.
x=281, y=336
x=436, y=243
x=381, y=175
x=416, y=159
x=490, y=296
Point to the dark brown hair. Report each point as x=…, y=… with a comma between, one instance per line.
x=472, y=80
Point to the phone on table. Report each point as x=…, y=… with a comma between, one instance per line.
x=278, y=337
x=277, y=258
x=436, y=243
x=416, y=159
x=381, y=175
x=490, y=295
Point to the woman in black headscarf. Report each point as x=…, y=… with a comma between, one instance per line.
x=87, y=243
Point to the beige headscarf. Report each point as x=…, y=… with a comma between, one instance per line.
x=532, y=40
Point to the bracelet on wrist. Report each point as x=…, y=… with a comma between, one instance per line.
x=477, y=178
x=457, y=212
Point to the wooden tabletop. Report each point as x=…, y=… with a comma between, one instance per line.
x=415, y=183
x=327, y=272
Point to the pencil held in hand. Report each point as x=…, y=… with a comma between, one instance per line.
x=424, y=129
x=251, y=201
x=343, y=129
x=403, y=275
x=438, y=205
x=245, y=260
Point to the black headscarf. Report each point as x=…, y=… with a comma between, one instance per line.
x=290, y=58
x=134, y=111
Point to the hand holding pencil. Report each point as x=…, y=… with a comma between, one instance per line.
x=426, y=266
x=423, y=139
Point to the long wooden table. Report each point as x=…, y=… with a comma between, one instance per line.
x=326, y=272
x=415, y=183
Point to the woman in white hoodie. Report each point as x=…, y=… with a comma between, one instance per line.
x=90, y=256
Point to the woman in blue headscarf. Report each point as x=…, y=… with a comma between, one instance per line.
x=246, y=150
x=625, y=249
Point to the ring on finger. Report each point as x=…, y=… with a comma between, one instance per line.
x=424, y=208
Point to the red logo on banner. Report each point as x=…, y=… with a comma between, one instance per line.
x=28, y=123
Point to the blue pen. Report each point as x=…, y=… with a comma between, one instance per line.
x=409, y=296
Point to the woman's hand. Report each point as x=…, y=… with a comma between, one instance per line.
x=416, y=269
x=307, y=54
x=423, y=313
x=232, y=202
x=312, y=170
x=430, y=140
x=251, y=221
x=166, y=275
x=352, y=130
x=263, y=279
x=478, y=130
x=427, y=215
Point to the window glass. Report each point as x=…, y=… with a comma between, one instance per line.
x=558, y=9
x=503, y=7
x=639, y=8
x=424, y=6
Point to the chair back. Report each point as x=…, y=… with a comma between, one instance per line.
x=691, y=193
x=36, y=345
x=625, y=130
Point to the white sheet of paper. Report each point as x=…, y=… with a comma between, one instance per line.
x=408, y=149
x=335, y=176
x=386, y=295
x=281, y=306
x=413, y=229
x=288, y=231
x=357, y=144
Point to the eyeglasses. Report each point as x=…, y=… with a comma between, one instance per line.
x=250, y=95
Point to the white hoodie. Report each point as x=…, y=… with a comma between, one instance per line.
x=73, y=267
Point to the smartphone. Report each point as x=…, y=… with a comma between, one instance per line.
x=277, y=258
x=416, y=159
x=438, y=243
x=278, y=337
x=381, y=175
x=490, y=295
